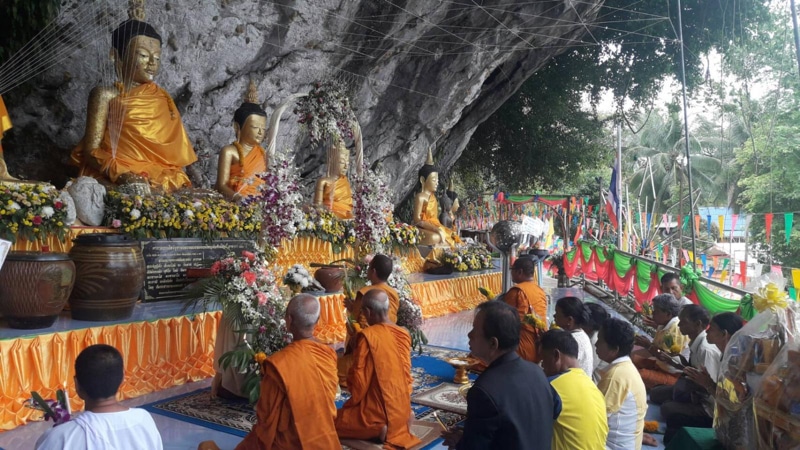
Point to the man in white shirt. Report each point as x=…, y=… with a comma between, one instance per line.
x=105, y=424
x=671, y=284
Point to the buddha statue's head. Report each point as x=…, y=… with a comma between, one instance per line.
x=338, y=158
x=250, y=120
x=136, y=52
x=429, y=175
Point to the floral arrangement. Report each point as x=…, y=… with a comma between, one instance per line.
x=278, y=200
x=371, y=209
x=31, y=211
x=297, y=278
x=324, y=225
x=56, y=410
x=248, y=292
x=326, y=112
x=535, y=321
x=409, y=312
x=468, y=257
x=403, y=235
x=486, y=292
x=179, y=215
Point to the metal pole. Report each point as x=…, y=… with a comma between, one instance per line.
x=796, y=34
x=618, y=185
x=686, y=128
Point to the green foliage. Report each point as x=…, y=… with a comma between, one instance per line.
x=21, y=20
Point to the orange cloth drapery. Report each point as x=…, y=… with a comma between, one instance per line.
x=243, y=179
x=151, y=140
x=158, y=355
x=341, y=202
x=430, y=214
x=332, y=326
x=441, y=297
x=5, y=121
x=55, y=245
x=306, y=250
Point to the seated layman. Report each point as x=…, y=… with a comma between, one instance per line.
x=296, y=407
x=379, y=380
x=105, y=423
x=511, y=405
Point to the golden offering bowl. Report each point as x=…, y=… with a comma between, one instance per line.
x=460, y=365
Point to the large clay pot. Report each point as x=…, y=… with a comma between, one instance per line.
x=110, y=276
x=331, y=278
x=34, y=287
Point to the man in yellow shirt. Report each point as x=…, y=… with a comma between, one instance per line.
x=582, y=422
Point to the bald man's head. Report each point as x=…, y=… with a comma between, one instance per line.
x=303, y=309
x=377, y=302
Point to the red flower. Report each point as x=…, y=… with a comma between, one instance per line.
x=249, y=255
x=58, y=204
x=249, y=277
x=37, y=220
x=216, y=267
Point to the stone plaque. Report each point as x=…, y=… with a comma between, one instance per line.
x=166, y=261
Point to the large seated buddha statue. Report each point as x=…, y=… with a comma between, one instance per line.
x=133, y=128
x=240, y=162
x=426, y=209
x=333, y=190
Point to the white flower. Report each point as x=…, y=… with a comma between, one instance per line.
x=197, y=204
x=188, y=213
x=135, y=214
x=14, y=206
x=47, y=212
x=304, y=282
x=165, y=215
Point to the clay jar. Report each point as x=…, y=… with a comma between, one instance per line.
x=34, y=287
x=110, y=276
x=331, y=278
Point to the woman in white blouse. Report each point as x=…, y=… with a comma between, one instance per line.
x=572, y=315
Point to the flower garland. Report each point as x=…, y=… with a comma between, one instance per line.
x=403, y=235
x=371, y=208
x=31, y=211
x=279, y=200
x=179, y=215
x=469, y=257
x=326, y=112
x=324, y=225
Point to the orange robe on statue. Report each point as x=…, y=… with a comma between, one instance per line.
x=430, y=214
x=346, y=360
x=243, y=179
x=5, y=122
x=380, y=384
x=523, y=296
x=341, y=205
x=296, y=407
x=151, y=140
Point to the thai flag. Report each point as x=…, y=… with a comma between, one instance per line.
x=613, y=198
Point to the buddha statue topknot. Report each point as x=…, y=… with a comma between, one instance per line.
x=134, y=131
x=241, y=162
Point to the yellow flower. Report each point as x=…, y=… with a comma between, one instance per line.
x=675, y=348
x=260, y=357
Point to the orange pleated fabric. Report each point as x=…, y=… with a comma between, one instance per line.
x=441, y=297
x=54, y=244
x=151, y=140
x=158, y=355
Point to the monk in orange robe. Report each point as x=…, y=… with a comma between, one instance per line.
x=379, y=381
x=296, y=407
x=527, y=297
x=134, y=129
x=378, y=272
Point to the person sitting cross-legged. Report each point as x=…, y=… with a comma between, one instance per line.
x=582, y=422
x=379, y=380
x=622, y=386
x=105, y=423
x=511, y=405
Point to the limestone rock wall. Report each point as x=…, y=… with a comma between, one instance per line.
x=421, y=71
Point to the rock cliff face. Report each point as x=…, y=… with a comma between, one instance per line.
x=421, y=72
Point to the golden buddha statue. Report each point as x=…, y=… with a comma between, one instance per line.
x=5, y=125
x=426, y=209
x=333, y=190
x=133, y=129
x=240, y=162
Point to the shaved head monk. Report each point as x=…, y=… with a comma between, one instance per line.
x=296, y=408
x=526, y=297
x=378, y=272
x=379, y=380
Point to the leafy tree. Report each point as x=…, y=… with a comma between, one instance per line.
x=21, y=21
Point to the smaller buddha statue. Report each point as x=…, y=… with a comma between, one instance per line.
x=449, y=206
x=5, y=125
x=134, y=131
x=426, y=209
x=333, y=190
x=241, y=161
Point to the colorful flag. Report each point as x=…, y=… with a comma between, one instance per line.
x=721, y=223
x=787, y=219
x=734, y=219
x=768, y=225
x=743, y=271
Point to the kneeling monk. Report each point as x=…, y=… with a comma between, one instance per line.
x=379, y=380
x=296, y=408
